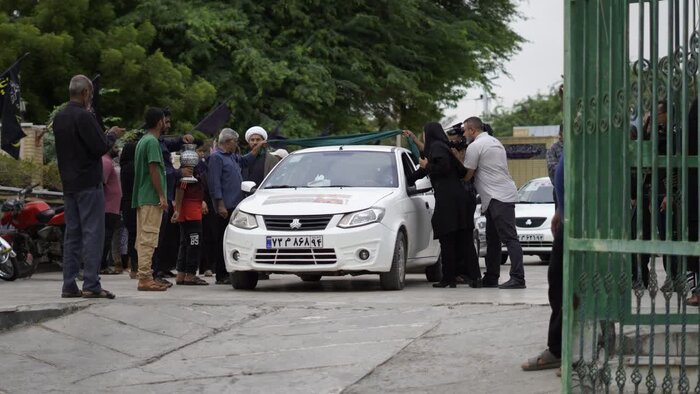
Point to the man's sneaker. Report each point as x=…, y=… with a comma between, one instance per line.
x=513, y=284
x=150, y=285
x=208, y=273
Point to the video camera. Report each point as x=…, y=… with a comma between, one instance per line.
x=457, y=130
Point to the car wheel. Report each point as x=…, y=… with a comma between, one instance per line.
x=544, y=258
x=396, y=277
x=434, y=272
x=244, y=280
x=310, y=277
x=504, y=258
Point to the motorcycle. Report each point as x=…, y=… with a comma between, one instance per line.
x=35, y=231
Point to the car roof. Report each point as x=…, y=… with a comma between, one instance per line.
x=544, y=179
x=353, y=148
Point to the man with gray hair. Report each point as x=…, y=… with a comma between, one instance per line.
x=80, y=144
x=224, y=178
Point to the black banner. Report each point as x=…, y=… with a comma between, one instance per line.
x=10, y=110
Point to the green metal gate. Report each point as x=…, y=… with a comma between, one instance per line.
x=626, y=61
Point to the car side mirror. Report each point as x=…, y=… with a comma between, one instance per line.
x=249, y=187
x=422, y=185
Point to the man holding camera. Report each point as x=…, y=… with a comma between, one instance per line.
x=487, y=163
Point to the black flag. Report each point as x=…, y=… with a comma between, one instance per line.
x=9, y=109
x=215, y=120
x=94, y=107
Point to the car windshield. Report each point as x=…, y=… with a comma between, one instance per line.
x=334, y=169
x=536, y=192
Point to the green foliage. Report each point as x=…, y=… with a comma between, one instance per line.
x=341, y=66
x=540, y=109
x=20, y=173
x=83, y=36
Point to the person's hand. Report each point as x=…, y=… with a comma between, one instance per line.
x=118, y=131
x=205, y=208
x=663, y=205
x=188, y=138
x=186, y=171
x=423, y=162
x=163, y=203
x=221, y=210
x=556, y=222
x=409, y=134
x=175, y=217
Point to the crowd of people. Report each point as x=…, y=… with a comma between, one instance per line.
x=131, y=209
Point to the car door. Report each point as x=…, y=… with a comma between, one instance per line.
x=421, y=244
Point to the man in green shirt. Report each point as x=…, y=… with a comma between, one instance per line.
x=149, y=196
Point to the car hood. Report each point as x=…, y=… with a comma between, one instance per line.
x=534, y=210
x=317, y=201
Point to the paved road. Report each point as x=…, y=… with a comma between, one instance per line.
x=287, y=336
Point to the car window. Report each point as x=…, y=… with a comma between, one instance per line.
x=536, y=192
x=335, y=169
x=408, y=166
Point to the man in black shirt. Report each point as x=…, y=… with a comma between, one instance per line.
x=80, y=144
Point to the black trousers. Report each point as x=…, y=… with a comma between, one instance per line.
x=555, y=279
x=470, y=263
x=500, y=229
x=112, y=220
x=165, y=255
x=218, y=228
x=129, y=217
x=453, y=252
x=208, y=242
x=190, y=246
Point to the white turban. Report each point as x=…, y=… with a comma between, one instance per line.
x=255, y=130
x=281, y=153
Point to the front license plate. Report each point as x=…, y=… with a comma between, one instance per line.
x=531, y=237
x=293, y=241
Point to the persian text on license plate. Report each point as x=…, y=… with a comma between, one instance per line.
x=531, y=237
x=293, y=241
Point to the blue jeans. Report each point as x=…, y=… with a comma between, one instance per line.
x=84, y=238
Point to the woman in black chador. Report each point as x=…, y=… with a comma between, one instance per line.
x=450, y=219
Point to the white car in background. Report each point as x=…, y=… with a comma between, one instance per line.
x=335, y=211
x=533, y=220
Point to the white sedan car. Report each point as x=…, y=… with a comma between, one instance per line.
x=335, y=211
x=533, y=220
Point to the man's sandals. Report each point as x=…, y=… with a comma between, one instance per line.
x=545, y=360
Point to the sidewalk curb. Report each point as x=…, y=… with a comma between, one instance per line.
x=12, y=317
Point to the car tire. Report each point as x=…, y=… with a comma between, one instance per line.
x=396, y=277
x=244, y=280
x=544, y=258
x=504, y=258
x=433, y=273
x=310, y=277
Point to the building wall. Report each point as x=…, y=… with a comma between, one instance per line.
x=522, y=170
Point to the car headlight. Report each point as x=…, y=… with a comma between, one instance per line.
x=244, y=220
x=356, y=219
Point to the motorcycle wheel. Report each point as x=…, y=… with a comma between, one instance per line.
x=9, y=269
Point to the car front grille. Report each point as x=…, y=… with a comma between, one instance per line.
x=536, y=244
x=297, y=223
x=296, y=256
x=529, y=222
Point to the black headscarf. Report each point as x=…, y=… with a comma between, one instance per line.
x=434, y=134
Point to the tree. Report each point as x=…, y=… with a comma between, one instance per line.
x=344, y=66
x=540, y=109
x=82, y=36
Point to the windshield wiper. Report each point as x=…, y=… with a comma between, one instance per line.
x=282, y=187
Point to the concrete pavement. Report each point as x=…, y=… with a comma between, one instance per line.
x=288, y=336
